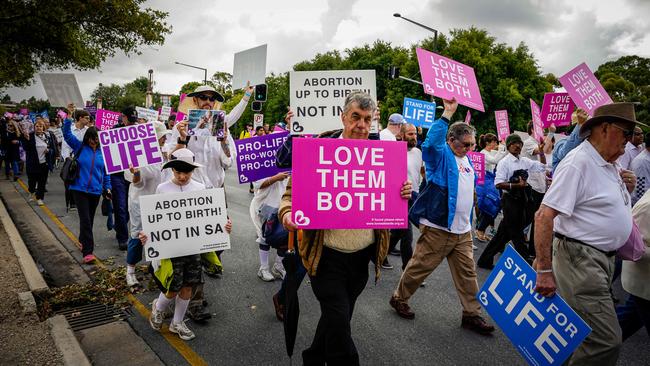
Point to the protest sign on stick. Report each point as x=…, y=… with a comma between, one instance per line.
x=105, y=119
x=179, y=224
x=165, y=112
x=544, y=330
x=256, y=156
x=317, y=97
x=418, y=112
x=149, y=115
x=468, y=117
x=448, y=79
x=249, y=66
x=503, y=126
x=538, y=130
x=353, y=184
x=584, y=88
x=135, y=145
x=478, y=162
x=61, y=89
x=556, y=109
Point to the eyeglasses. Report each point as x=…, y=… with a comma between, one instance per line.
x=204, y=97
x=626, y=133
x=467, y=145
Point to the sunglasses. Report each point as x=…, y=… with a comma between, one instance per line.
x=626, y=133
x=204, y=97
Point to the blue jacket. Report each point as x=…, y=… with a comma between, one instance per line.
x=564, y=146
x=437, y=202
x=92, y=174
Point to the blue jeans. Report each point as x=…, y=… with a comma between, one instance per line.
x=11, y=165
x=134, y=252
x=633, y=315
x=120, y=191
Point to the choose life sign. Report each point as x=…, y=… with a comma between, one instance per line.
x=135, y=146
x=419, y=113
x=256, y=156
x=556, y=109
x=186, y=223
x=448, y=79
x=317, y=97
x=544, y=330
x=503, y=126
x=584, y=88
x=348, y=184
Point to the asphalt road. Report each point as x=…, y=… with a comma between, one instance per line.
x=244, y=330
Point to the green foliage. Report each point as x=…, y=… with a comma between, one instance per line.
x=627, y=79
x=117, y=97
x=41, y=34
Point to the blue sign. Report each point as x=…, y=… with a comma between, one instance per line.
x=544, y=330
x=418, y=112
x=32, y=116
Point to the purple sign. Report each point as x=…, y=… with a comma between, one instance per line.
x=105, y=119
x=584, y=88
x=538, y=130
x=478, y=161
x=448, y=79
x=24, y=111
x=135, y=146
x=556, y=109
x=503, y=126
x=256, y=156
x=348, y=184
x=91, y=109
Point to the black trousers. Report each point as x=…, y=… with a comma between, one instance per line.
x=537, y=201
x=86, y=208
x=405, y=238
x=340, y=279
x=36, y=180
x=517, y=214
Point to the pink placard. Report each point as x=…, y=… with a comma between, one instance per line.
x=478, y=161
x=468, y=117
x=105, y=119
x=556, y=109
x=448, y=79
x=584, y=88
x=348, y=184
x=538, y=130
x=180, y=115
x=503, y=126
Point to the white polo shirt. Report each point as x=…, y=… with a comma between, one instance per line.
x=591, y=197
x=508, y=165
x=631, y=152
x=414, y=165
x=386, y=135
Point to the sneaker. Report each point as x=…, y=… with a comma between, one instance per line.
x=395, y=252
x=89, y=259
x=40, y=202
x=156, y=317
x=32, y=197
x=182, y=330
x=198, y=314
x=279, y=308
x=386, y=264
x=132, y=280
x=278, y=271
x=403, y=309
x=423, y=284
x=265, y=275
x=477, y=324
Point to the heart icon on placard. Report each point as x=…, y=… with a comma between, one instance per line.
x=243, y=178
x=300, y=219
x=428, y=88
x=297, y=127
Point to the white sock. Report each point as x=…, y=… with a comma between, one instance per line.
x=278, y=260
x=163, y=302
x=130, y=269
x=180, y=308
x=264, y=258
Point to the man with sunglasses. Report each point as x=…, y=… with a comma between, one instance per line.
x=584, y=219
x=633, y=148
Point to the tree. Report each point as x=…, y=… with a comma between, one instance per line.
x=39, y=35
x=627, y=79
x=116, y=97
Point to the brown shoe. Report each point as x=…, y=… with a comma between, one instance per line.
x=477, y=324
x=279, y=308
x=402, y=308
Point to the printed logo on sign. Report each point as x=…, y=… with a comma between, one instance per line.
x=301, y=219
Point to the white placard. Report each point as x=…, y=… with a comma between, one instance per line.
x=258, y=120
x=62, y=89
x=147, y=114
x=178, y=224
x=165, y=112
x=317, y=97
x=249, y=65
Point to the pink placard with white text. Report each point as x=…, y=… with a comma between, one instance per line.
x=538, y=130
x=105, y=119
x=503, y=126
x=348, y=184
x=478, y=161
x=448, y=79
x=584, y=88
x=556, y=109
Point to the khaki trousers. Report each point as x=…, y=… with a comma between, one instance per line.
x=433, y=246
x=583, y=276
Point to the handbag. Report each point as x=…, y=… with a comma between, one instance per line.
x=634, y=247
x=70, y=170
x=274, y=233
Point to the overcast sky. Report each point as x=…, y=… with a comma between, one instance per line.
x=560, y=33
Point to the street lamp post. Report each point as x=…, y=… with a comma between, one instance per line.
x=435, y=31
x=205, y=71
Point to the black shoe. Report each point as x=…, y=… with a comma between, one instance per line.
x=488, y=266
x=198, y=314
x=477, y=324
x=386, y=264
x=402, y=308
x=122, y=246
x=395, y=252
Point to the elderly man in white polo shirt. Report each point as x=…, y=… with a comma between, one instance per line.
x=395, y=122
x=587, y=209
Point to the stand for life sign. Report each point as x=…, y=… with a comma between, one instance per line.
x=419, y=113
x=352, y=184
x=186, y=223
x=256, y=156
x=544, y=330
